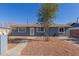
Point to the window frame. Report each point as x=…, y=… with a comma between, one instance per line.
x=61, y=31
x=37, y=29
x=20, y=30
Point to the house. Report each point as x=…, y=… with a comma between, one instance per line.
x=37, y=30
x=22, y=30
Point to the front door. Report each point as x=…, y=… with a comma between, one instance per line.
x=31, y=31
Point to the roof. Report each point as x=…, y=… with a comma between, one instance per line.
x=4, y=28
x=73, y=23
x=38, y=25
x=75, y=28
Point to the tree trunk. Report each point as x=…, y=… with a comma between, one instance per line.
x=46, y=34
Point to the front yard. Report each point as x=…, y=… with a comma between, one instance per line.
x=55, y=47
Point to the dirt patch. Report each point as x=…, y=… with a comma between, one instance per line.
x=50, y=48
x=12, y=43
x=11, y=46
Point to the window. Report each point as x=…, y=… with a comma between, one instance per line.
x=14, y=29
x=21, y=29
x=40, y=29
x=61, y=29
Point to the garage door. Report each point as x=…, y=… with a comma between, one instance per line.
x=74, y=33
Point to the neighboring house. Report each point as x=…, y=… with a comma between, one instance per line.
x=5, y=30
x=74, y=31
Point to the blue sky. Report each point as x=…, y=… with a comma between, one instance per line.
x=21, y=13
x=67, y=13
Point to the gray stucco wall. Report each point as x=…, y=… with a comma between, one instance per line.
x=66, y=29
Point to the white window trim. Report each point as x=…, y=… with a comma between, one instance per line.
x=18, y=29
x=59, y=30
x=25, y=29
x=21, y=31
x=38, y=30
x=32, y=33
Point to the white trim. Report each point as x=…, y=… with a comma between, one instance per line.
x=59, y=30
x=25, y=29
x=21, y=31
x=18, y=29
x=32, y=31
x=38, y=30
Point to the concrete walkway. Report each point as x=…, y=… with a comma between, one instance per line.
x=17, y=50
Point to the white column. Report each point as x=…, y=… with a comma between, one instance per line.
x=3, y=43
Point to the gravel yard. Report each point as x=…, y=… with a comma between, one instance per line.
x=11, y=45
x=53, y=47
